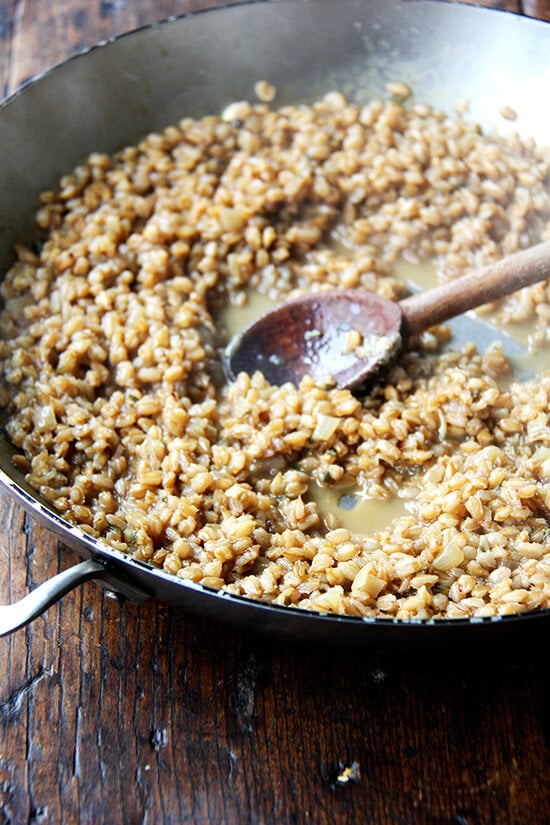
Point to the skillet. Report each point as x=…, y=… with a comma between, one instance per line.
x=115, y=93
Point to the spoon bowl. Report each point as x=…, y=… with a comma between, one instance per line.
x=342, y=337
x=329, y=335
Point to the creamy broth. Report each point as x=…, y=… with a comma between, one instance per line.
x=526, y=366
x=232, y=319
x=420, y=276
x=519, y=331
x=362, y=516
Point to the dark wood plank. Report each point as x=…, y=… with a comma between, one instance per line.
x=533, y=8
x=7, y=16
x=506, y=5
x=124, y=715
x=536, y=8
x=55, y=31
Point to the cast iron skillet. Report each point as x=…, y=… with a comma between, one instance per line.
x=117, y=92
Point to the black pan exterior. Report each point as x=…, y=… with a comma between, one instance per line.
x=116, y=93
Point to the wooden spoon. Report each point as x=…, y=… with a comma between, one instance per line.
x=341, y=337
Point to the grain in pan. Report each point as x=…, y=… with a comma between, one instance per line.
x=112, y=387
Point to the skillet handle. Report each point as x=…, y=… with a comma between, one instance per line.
x=20, y=613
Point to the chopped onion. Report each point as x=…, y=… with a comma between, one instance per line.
x=325, y=428
x=451, y=556
x=366, y=582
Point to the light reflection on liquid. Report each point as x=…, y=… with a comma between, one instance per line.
x=362, y=516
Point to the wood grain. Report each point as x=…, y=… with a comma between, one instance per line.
x=122, y=715
x=536, y=8
x=53, y=31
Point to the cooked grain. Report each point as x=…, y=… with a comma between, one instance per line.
x=112, y=391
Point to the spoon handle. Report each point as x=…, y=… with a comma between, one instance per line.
x=479, y=287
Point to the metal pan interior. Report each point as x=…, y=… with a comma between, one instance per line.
x=115, y=93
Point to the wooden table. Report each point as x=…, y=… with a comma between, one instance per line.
x=121, y=715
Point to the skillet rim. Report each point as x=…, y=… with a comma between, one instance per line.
x=89, y=547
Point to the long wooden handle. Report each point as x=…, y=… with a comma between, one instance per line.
x=479, y=287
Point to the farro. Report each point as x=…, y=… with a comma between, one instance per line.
x=113, y=393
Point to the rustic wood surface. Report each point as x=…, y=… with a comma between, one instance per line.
x=122, y=715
